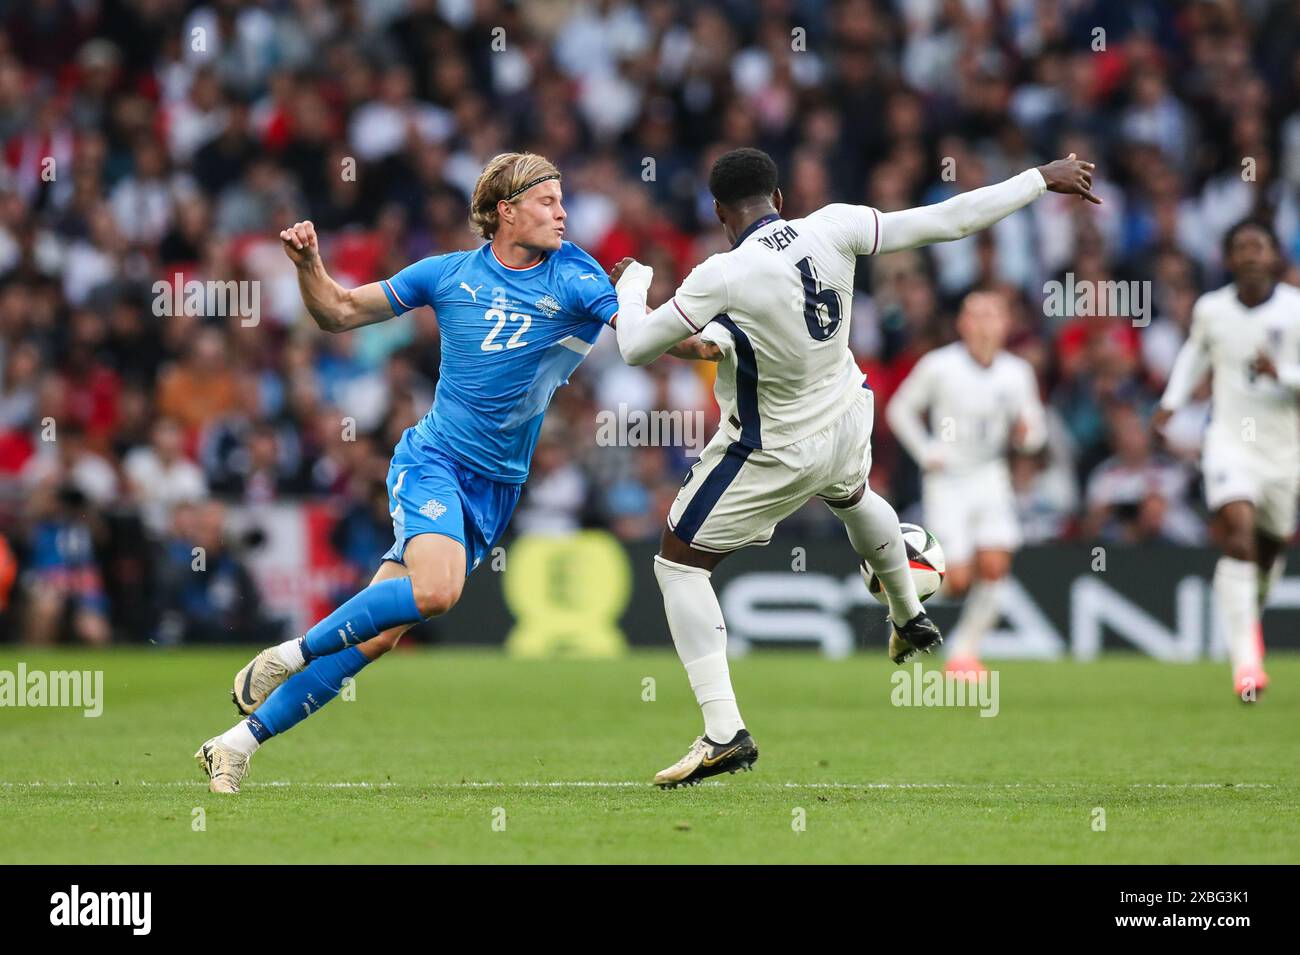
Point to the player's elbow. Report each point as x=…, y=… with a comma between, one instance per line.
x=635, y=355
x=950, y=221
x=960, y=229
x=328, y=320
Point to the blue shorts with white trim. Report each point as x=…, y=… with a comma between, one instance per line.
x=430, y=492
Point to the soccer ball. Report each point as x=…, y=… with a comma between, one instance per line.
x=924, y=556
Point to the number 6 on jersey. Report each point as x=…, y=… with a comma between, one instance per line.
x=815, y=298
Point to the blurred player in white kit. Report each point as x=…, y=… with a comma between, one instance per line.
x=1248, y=335
x=979, y=400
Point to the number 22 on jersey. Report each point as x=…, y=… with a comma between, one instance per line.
x=501, y=319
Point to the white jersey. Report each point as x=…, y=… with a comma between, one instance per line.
x=1255, y=415
x=972, y=409
x=778, y=304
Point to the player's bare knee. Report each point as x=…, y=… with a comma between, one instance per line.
x=434, y=598
x=675, y=550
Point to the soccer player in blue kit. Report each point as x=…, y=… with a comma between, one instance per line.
x=516, y=317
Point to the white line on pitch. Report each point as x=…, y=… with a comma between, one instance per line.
x=631, y=784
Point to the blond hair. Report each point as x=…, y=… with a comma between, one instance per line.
x=504, y=175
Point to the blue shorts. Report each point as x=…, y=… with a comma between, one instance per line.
x=429, y=492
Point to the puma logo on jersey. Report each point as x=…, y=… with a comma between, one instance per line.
x=473, y=292
x=586, y=275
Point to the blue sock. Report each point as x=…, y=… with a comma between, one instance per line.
x=368, y=614
x=305, y=692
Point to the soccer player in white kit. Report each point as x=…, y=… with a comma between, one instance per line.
x=796, y=409
x=980, y=400
x=1248, y=334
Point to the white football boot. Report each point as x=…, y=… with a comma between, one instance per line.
x=224, y=766
x=256, y=681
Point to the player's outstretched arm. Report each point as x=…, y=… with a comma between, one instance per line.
x=643, y=335
x=335, y=308
x=978, y=209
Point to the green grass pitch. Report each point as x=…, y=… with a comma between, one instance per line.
x=455, y=756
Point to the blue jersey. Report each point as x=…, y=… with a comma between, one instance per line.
x=510, y=337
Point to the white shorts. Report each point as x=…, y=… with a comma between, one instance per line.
x=1232, y=473
x=971, y=511
x=735, y=496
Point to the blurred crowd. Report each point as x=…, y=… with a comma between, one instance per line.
x=164, y=141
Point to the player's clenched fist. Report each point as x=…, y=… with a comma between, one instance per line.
x=631, y=277
x=300, y=242
x=619, y=268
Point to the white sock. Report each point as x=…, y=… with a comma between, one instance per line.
x=290, y=654
x=240, y=738
x=711, y=682
x=1236, y=590
x=979, y=613
x=1267, y=579
x=870, y=523
x=695, y=621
